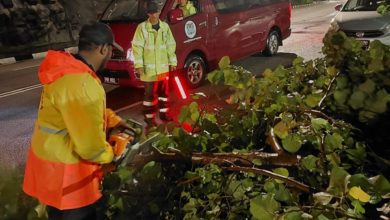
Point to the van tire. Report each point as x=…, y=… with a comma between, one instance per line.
x=194, y=71
x=272, y=45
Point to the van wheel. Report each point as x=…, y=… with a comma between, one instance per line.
x=272, y=44
x=195, y=70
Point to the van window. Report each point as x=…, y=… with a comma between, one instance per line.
x=195, y=3
x=128, y=10
x=230, y=5
x=363, y=5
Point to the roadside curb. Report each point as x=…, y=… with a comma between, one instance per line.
x=35, y=56
x=305, y=5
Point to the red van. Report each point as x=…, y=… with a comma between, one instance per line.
x=236, y=28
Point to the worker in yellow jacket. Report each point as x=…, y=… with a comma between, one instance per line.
x=69, y=144
x=154, y=57
x=187, y=7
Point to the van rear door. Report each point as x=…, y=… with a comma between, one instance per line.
x=226, y=34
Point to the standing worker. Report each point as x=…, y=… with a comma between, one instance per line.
x=69, y=144
x=187, y=7
x=154, y=54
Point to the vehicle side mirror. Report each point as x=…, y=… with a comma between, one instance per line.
x=338, y=7
x=175, y=16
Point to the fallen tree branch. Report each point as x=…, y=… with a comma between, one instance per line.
x=244, y=159
x=271, y=139
x=287, y=180
x=328, y=90
x=227, y=161
x=320, y=114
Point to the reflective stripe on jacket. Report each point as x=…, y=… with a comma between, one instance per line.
x=69, y=140
x=154, y=51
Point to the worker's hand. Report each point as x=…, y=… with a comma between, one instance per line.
x=119, y=142
x=172, y=68
x=139, y=72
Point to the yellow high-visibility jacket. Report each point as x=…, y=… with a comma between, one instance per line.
x=154, y=51
x=189, y=9
x=69, y=140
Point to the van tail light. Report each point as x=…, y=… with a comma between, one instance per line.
x=290, y=12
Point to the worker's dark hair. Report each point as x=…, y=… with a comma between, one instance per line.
x=87, y=46
x=96, y=34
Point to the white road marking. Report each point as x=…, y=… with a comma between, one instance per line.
x=21, y=90
x=128, y=107
x=28, y=88
x=25, y=67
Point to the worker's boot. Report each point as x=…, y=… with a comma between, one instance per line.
x=165, y=117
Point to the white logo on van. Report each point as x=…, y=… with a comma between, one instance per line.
x=190, y=29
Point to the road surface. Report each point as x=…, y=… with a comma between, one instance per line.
x=20, y=89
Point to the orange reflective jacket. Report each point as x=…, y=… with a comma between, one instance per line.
x=69, y=140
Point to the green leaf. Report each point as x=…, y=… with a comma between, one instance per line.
x=270, y=187
x=334, y=159
x=382, y=9
x=322, y=217
x=310, y=162
x=381, y=184
x=333, y=142
x=366, y=116
x=312, y=100
x=319, y=123
x=298, y=61
x=337, y=181
x=357, y=99
x=283, y=194
x=359, y=180
x=184, y=114
x=194, y=109
x=367, y=87
x=154, y=208
x=216, y=77
x=111, y=181
x=342, y=82
x=224, y=62
x=358, y=208
x=292, y=143
x=150, y=172
x=332, y=71
x=257, y=162
x=236, y=189
x=125, y=174
x=293, y=216
x=341, y=96
x=264, y=207
x=191, y=206
x=281, y=171
x=231, y=77
x=268, y=73
x=358, y=155
x=281, y=130
x=379, y=104
x=119, y=204
x=286, y=117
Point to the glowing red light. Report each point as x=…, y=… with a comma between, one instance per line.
x=180, y=87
